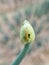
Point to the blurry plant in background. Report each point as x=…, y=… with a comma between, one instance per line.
x=17, y=18
x=28, y=11
x=42, y=8
x=5, y=18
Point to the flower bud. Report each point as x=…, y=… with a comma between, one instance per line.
x=27, y=33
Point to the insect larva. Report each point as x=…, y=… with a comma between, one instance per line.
x=26, y=35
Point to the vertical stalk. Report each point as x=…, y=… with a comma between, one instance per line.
x=21, y=55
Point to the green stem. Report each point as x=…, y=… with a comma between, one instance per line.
x=21, y=55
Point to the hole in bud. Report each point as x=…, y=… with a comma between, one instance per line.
x=28, y=35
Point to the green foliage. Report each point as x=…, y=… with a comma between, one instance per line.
x=42, y=8
x=17, y=18
x=45, y=7
x=37, y=11
x=28, y=11
x=5, y=39
x=5, y=18
x=11, y=26
x=39, y=43
x=37, y=28
x=34, y=24
x=47, y=18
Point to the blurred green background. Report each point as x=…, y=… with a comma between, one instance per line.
x=12, y=15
